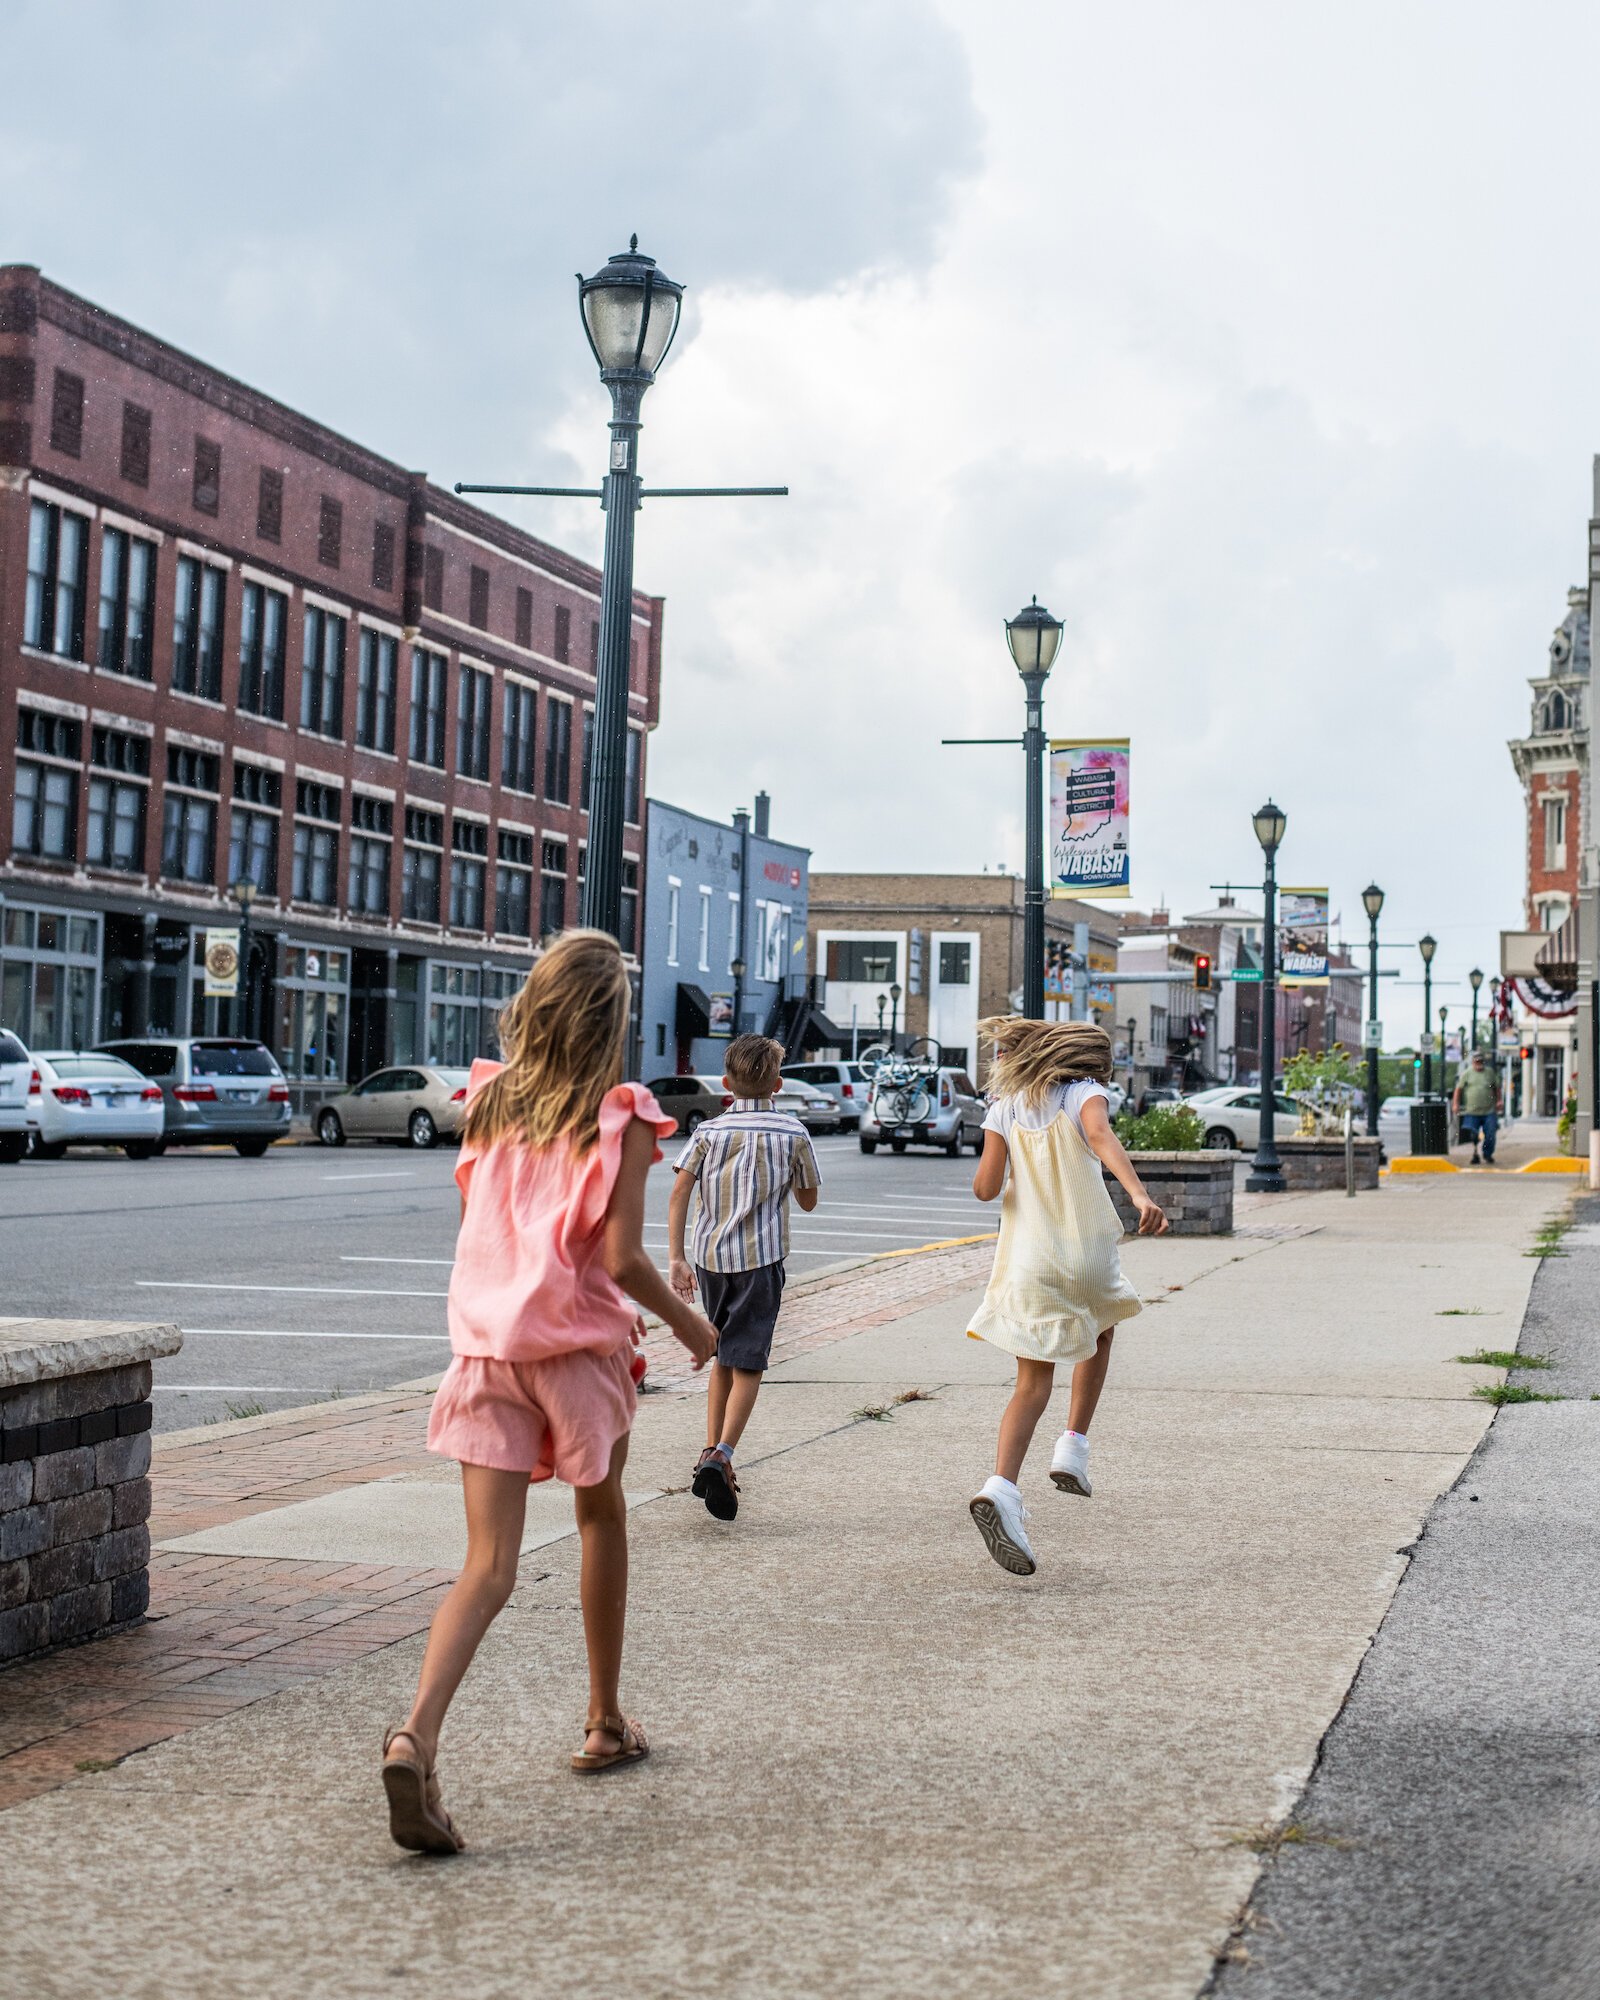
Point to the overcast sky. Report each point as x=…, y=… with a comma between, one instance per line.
x=1257, y=341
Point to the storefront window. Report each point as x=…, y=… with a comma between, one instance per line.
x=313, y=1008
x=49, y=982
x=453, y=1000
x=406, y=996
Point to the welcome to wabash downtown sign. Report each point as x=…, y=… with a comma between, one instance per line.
x=1089, y=817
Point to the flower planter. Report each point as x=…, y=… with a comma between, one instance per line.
x=1319, y=1163
x=1195, y=1189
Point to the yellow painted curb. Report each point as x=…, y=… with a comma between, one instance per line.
x=1406, y=1164
x=1551, y=1164
x=947, y=1243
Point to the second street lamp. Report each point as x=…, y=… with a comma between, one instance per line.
x=1427, y=946
x=1266, y=1173
x=1475, y=981
x=1033, y=636
x=1372, y=903
x=243, y=893
x=894, y=1015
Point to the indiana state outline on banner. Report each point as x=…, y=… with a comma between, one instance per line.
x=1089, y=816
x=1303, y=937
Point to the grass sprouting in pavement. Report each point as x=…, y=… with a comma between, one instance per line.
x=1502, y=1357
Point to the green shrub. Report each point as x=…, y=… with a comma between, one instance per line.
x=1164, y=1128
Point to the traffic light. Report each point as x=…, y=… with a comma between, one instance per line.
x=1527, y=1055
x=1202, y=973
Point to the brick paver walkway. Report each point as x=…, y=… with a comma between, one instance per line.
x=225, y=1631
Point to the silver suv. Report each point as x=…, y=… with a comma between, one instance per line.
x=915, y=1105
x=219, y=1091
x=16, y=1069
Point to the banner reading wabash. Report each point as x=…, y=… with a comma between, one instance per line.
x=1089, y=817
x=1303, y=937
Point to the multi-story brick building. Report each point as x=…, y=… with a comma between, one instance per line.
x=237, y=646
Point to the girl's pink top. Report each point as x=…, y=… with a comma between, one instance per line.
x=529, y=1280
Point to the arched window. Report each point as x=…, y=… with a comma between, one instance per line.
x=1555, y=712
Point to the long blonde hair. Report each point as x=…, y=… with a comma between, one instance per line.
x=1032, y=1057
x=564, y=1036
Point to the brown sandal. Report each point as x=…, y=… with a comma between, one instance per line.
x=632, y=1744
x=417, y=1818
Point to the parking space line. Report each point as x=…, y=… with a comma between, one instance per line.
x=347, y=1258
x=388, y=1174
x=224, y=1389
x=302, y=1333
x=312, y=1291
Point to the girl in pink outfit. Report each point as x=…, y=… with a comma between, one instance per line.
x=554, y=1155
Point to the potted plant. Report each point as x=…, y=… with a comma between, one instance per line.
x=1192, y=1182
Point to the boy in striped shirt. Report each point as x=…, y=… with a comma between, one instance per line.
x=746, y=1164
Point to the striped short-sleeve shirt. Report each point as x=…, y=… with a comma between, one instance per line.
x=744, y=1163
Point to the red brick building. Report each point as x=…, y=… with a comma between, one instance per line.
x=234, y=644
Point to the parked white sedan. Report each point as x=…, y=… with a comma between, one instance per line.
x=1232, y=1118
x=92, y=1100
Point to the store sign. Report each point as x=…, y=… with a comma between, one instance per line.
x=720, y=1016
x=1372, y=1035
x=1303, y=937
x=1089, y=817
x=222, y=964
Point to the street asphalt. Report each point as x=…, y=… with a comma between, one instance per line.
x=1449, y=1840
x=314, y=1273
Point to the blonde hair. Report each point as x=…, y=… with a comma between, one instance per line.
x=1032, y=1057
x=754, y=1060
x=564, y=1037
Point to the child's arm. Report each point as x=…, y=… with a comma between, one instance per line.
x=990, y=1175
x=805, y=1178
x=1109, y=1149
x=680, y=1272
x=625, y=1257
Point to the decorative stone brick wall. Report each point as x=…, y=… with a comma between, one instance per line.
x=1195, y=1189
x=1319, y=1163
x=75, y=1417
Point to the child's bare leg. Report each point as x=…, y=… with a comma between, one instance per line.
x=603, y=1528
x=496, y=1503
x=1088, y=1379
x=1035, y=1380
x=720, y=1381
x=741, y=1400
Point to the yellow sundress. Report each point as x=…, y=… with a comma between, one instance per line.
x=1057, y=1281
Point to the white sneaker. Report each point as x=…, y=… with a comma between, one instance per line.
x=999, y=1513
x=1069, y=1464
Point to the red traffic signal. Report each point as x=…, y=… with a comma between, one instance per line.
x=1527, y=1055
x=1202, y=972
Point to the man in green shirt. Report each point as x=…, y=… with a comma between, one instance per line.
x=1477, y=1106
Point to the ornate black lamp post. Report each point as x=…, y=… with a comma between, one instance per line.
x=737, y=969
x=1033, y=636
x=1427, y=946
x=1444, y=1067
x=883, y=1001
x=894, y=1015
x=1475, y=981
x=1266, y=1175
x=243, y=893
x=1372, y=903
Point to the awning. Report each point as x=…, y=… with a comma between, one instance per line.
x=702, y=1014
x=1556, y=960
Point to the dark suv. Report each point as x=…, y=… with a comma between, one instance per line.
x=219, y=1091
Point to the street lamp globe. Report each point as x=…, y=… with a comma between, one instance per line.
x=630, y=313
x=1475, y=978
x=1033, y=636
x=1427, y=946
x=737, y=968
x=1270, y=821
x=1372, y=901
x=894, y=994
x=243, y=892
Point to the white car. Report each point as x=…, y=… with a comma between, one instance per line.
x=16, y=1069
x=1232, y=1117
x=92, y=1100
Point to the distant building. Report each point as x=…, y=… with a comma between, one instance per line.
x=716, y=892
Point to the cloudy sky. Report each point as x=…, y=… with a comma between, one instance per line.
x=1257, y=341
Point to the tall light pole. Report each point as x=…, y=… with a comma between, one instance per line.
x=1372, y=903
x=1033, y=636
x=1427, y=946
x=894, y=1015
x=1474, y=980
x=1444, y=1067
x=1266, y=1174
x=883, y=1001
x=243, y=893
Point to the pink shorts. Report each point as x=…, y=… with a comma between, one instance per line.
x=557, y=1417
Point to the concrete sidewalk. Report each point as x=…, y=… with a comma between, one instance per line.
x=883, y=1766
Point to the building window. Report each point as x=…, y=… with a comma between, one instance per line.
x=135, y=444
x=189, y=816
x=955, y=964
x=377, y=670
x=369, y=876
x=478, y=599
x=419, y=868
x=207, y=475
x=469, y=839
x=525, y=619
x=269, y=505
x=705, y=930
x=127, y=603
x=263, y=628
x=453, y=1014
x=735, y=928
x=66, y=414
x=197, y=629
x=863, y=959
x=594, y=645
x=629, y=924
x=253, y=833
x=382, y=556
x=516, y=742
x=58, y=555
x=473, y=694
x=674, y=893
x=116, y=816
x=316, y=843
x=330, y=532
x=513, y=884
x=1555, y=833
x=586, y=768
x=44, y=819
x=552, y=887
x=427, y=707
x=322, y=673
x=558, y=751
x=433, y=577
x=632, y=788
x=563, y=641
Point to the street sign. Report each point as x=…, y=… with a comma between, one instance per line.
x=1372, y=1035
x=1246, y=975
x=1429, y=1043
x=1510, y=1042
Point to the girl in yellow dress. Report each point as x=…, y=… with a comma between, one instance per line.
x=1057, y=1288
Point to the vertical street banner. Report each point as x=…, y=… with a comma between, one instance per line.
x=1303, y=937
x=1089, y=817
x=222, y=965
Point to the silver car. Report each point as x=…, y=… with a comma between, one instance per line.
x=413, y=1105
x=219, y=1091
x=847, y=1083
x=16, y=1068
x=91, y=1100
x=912, y=1106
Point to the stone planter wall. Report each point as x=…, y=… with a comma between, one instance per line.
x=75, y=1418
x=1319, y=1163
x=1195, y=1189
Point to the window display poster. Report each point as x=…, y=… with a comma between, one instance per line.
x=1303, y=937
x=1089, y=817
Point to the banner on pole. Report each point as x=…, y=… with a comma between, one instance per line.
x=1303, y=937
x=222, y=964
x=1089, y=817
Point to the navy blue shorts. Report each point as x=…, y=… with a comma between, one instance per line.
x=743, y=1307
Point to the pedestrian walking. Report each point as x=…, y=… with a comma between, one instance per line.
x=1057, y=1289
x=554, y=1155
x=744, y=1165
x=1477, y=1103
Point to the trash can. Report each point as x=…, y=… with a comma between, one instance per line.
x=1430, y=1126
